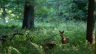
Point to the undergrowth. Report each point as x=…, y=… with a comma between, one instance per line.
x=31, y=41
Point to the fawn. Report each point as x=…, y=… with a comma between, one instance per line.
x=64, y=39
x=5, y=38
x=49, y=45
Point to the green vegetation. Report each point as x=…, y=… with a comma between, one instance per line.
x=45, y=32
x=43, y=19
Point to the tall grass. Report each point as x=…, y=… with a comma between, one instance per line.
x=49, y=31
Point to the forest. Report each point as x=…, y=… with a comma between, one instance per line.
x=47, y=26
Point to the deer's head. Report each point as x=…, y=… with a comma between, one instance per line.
x=64, y=39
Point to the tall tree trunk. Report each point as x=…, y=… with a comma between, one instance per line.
x=4, y=13
x=90, y=22
x=28, y=21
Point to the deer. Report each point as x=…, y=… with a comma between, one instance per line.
x=64, y=39
x=50, y=45
x=5, y=38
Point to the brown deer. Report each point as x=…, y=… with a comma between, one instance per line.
x=49, y=45
x=64, y=39
x=5, y=38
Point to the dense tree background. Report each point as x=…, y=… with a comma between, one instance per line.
x=71, y=10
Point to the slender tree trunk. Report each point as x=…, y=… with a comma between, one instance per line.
x=28, y=21
x=90, y=22
x=4, y=13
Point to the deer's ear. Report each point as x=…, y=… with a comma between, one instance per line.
x=62, y=31
x=59, y=31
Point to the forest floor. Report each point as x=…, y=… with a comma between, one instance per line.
x=32, y=41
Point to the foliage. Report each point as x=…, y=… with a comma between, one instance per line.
x=51, y=16
x=66, y=9
x=79, y=9
x=32, y=41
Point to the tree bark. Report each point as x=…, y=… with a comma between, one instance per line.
x=28, y=21
x=90, y=22
x=4, y=13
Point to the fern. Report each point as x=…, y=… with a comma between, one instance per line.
x=38, y=47
x=10, y=49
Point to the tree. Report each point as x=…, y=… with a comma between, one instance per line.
x=28, y=21
x=4, y=13
x=90, y=22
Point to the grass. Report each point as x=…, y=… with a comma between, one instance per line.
x=46, y=32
